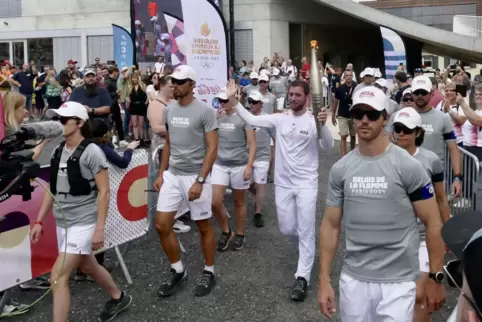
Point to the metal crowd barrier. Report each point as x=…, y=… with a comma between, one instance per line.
x=471, y=185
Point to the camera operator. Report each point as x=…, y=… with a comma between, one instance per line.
x=80, y=182
x=463, y=236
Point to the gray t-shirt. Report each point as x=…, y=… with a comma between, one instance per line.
x=278, y=86
x=382, y=239
x=263, y=142
x=432, y=164
x=78, y=210
x=233, y=142
x=186, y=126
x=270, y=103
x=438, y=131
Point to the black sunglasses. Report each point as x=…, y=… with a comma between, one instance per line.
x=420, y=93
x=222, y=101
x=372, y=115
x=399, y=128
x=408, y=99
x=63, y=119
x=262, y=82
x=178, y=81
x=251, y=101
x=454, y=273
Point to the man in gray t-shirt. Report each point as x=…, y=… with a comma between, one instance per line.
x=439, y=130
x=190, y=149
x=80, y=182
x=270, y=103
x=379, y=190
x=254, y=86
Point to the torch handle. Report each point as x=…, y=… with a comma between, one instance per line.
x=317, y=104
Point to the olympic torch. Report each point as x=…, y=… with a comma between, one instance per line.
x=316, y=87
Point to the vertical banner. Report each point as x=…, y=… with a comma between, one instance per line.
x=123, y=47
x=394, y=52
x=205, y=34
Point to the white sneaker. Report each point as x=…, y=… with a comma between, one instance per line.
x=123, y=143
x=115, y=139
x=180, y=227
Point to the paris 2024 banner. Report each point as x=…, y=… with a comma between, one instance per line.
x=179, y=32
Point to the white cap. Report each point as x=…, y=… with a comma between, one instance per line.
x=276, y=71
x=164, y=36
x=368, y=72
x=184, y=72
x=90, y=71
x=222, y=95
x=123, y=69
x=264, y=72
x=407, y=91
x=256, y=96
x=263, y=77
x=371, y=96
x=421, y=82
x=378, y=74
x=409, y=117
x=254, y=75
x=137, y=23
x=69, y=109
x=382, y=82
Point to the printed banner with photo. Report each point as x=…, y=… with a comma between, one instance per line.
x=189, y=32
x=394, y=52
x=21, y=260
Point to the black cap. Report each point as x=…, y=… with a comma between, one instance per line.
x=463, y=236
x=99, y=127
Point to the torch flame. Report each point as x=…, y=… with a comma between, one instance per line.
x=314, y=44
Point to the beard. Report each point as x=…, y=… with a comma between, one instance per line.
x=91, y=89
x=298, y=106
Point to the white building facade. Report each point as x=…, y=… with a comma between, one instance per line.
x=52, y=32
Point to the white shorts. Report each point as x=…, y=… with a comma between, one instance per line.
x=175, y=190
x=260, y=172
x=230, y=176
x=376, y=302
x=423, y=258
x=79, y=239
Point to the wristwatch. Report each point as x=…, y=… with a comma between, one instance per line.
x=200, y=180
x=438, y=277
x=459, y=177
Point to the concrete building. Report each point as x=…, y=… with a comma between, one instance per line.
x=54, y=31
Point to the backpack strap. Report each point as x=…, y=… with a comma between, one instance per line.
x=54, y=167
x=80, y=149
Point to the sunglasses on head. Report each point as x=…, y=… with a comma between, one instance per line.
x=399, y=128
x=372, y=115
x=178, y=81
x=63, y=119
x=252, y=101
x=420, y=93
x=263, y=82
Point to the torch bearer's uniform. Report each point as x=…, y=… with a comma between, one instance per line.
x=295, y=176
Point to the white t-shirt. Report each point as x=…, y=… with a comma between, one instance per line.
x=151, y=92
x=159, y=67
x=296, y=156
x=472, y=134
x=294, y=72
x=457, y=127
x=324, y=82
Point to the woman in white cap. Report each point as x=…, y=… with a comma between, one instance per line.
x=234, y=167
x=408, y=134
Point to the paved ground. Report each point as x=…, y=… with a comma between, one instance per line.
x=252, y=285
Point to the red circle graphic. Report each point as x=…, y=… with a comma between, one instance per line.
x=126, y=210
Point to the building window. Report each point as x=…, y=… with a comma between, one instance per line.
x=40, y=52
x=18, y=58
x=10, y=8
x=4, y=51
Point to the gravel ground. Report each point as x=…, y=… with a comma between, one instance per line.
x=252, y=285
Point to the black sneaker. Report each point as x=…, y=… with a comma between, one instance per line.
x=39, y=283
x=300, y=287
x=238, y=242
x=206, y=284
x=114, y=307
x=258, y=220
x=270, y=180
x=224, y=240
x=175, y=280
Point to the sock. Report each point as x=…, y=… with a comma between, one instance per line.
x=120, y=298
x=178, y=267
x=209, y=268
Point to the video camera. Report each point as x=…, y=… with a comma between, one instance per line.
x=17, y=168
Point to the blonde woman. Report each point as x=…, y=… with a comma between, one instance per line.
x=14, y=113
x=138, y=101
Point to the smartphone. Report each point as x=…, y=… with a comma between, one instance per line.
x=461, y=89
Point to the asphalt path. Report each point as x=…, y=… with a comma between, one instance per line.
x=252, y=285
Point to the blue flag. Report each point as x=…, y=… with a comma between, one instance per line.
x=123, y=47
